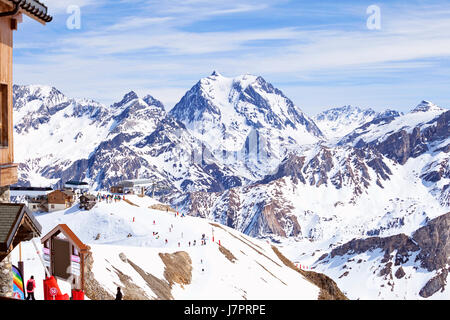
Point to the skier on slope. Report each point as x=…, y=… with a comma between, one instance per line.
x=31, y=285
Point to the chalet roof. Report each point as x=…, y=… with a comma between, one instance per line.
x=69, y=193
x=136, y=183
x=77, y=183
x=68, y=233
x=88, y=197
x=34, y=8
x=30, y=189
x=17, y=224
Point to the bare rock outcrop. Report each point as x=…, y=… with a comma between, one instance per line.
x=328, y=288
x=434, y=242
x=434, y=284
x=431, y=243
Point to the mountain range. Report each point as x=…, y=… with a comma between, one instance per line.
x=238, y=151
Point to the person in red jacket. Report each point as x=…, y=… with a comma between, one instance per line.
x=31, y=285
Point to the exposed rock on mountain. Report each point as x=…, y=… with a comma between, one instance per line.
x=270, y=206
x=249, y=209
x=428, y=249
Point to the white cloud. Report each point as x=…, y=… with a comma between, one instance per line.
x=155, y=52
x=60, y=6
x=137, y=22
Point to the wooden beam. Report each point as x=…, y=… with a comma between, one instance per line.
x=14, y=24
x=6, y=5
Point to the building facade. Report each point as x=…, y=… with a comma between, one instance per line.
x=60, y=200
x=11, y=12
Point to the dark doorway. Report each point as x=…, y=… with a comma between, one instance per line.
x=61, y=258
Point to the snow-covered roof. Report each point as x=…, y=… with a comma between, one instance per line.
x=77, y=183
x=136, y=183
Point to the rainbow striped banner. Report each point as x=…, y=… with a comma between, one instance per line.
x=18, y=287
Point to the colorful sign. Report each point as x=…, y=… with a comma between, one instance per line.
x=75, y=269
x=53, y=291
x=18, y=287
x=46, y=252
x=75, y=264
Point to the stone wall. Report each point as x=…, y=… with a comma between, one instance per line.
x=5, y=265
x=4, y=194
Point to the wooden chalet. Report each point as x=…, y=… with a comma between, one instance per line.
x=60, y=200
x=38, y=204
x=87, y=201
x=17, y=224
x=11, y=12
x=117, y=189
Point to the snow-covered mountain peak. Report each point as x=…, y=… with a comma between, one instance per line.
x=426, y=106
x=215, y=74
x=244, y=114
x=41, y=91
x=34, y=97
x=347, y=111
x=126, y=99
x=337, y=122
x=152, y=102
x=217, y=83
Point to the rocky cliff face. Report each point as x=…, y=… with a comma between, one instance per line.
x=270, y=207
x=339, y=167
x=252, y=210
x=401, y=145
x=433, y=241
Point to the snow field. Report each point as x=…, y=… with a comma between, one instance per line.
x=256, y=273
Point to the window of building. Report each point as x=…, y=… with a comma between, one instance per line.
x=53, y=206
x=3, y=115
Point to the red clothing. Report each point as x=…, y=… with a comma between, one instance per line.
x=34, y=285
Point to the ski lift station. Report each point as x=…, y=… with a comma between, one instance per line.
x=136, y=186
x=77, y=186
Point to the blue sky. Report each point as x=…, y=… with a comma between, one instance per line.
x=319, y=53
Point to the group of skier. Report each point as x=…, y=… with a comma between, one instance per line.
x=31, y=284
x=109, y=198
x=166, y=241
